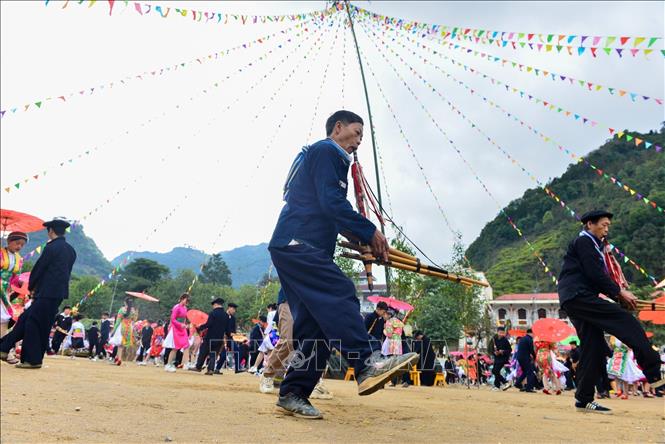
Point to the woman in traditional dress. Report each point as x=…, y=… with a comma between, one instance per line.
x=177, y=337
x=123, y=330
x=616, y=367
x=545, y=363
x=11, y=263
x=392, y=330
x=157, y=342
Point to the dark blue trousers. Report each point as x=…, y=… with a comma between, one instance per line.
x=33, y=329
x=326, y=314
x=527, y=372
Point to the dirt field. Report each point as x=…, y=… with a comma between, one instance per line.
x=81, y=401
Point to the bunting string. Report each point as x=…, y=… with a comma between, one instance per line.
x=573, y=44
x=129, y=256
x=459, y=153
x=584, y=121
x=157, y=72
x=600, y=172
x=544, y=73
x=262, y=156
x=177, y=107
x=211, y=17
x=216, y=116
x=548, y=191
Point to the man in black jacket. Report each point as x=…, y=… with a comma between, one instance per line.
x=49, y=283
x=525, y=356
x=584, y=274
x=104, y=332
x=63, y=322
x=216, y=328
x=500, y=352
x=374, y=324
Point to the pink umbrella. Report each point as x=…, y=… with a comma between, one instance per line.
x=394, y=303
x=145, y=297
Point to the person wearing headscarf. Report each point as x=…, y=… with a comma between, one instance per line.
x=11, y=264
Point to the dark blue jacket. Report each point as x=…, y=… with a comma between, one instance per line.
x=105, y=329
x=49, y=278
x=316, y=208
x=216, y=325
x=583, y=271
x=525, y=348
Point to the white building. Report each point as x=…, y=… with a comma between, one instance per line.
x=523, y=309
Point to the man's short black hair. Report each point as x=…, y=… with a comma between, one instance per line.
x=382, y=306
x=573, y=343
x=346, y=117
x=105, y=313
x=528, y=330
x=66, y=307
x=59, y=231
x=263, y=318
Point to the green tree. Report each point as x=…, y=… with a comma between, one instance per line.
x=141, y=274
x=404, y=285
x=215, y=271
x=350, y=267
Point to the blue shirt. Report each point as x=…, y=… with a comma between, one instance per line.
x=316, y=208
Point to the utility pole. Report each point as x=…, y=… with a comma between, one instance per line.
x=371, y=129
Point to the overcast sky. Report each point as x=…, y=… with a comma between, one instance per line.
x=223, y=155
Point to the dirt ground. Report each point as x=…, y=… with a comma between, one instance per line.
x=75, y=400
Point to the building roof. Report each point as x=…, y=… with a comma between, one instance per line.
x=528, y=297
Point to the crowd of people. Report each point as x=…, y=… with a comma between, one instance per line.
x=317, y=313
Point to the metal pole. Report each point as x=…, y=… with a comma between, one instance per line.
x=371, y=129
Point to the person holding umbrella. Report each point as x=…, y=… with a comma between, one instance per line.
x=123, y=330
x=11, y=263
x=585, y=274
x=49, y=283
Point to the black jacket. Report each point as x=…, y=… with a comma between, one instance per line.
x=231, y=324
x=255, y=337
x=525, y=348
x=64, y=322
x=93, y=335
x=583, y=271
x=49, y=278
x=374, y=325
x=501, y=344
x=216, y=325
x=105, y=328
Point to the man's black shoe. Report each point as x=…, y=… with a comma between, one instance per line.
x=218, y=372
x=380, y=370
x=527, y=391
x=210, y=373
x=592, y=407
x=194, y=369
x=292, y=404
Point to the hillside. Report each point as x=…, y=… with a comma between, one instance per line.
x=247, y=263
x=638, y=230
x=89, y=260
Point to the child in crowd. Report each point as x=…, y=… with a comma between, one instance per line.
x=94, y=348
x=77, y=334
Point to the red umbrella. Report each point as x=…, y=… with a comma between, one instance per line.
x=517, y=332
x=551, y=330
x=145, y=297
x=394, y=303
x=15, y=221
x=197, y=317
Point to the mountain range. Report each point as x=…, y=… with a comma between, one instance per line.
x=618, y=177
x=248, y=263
